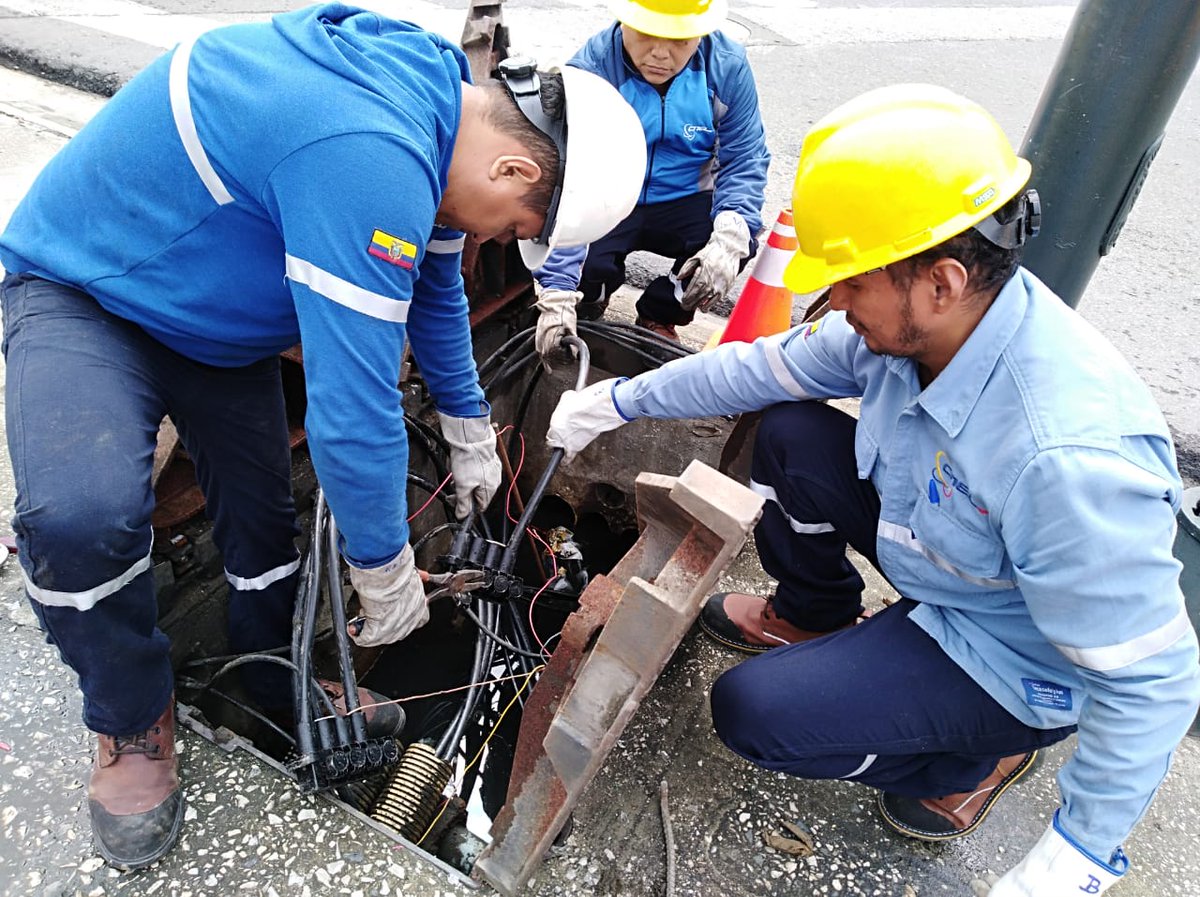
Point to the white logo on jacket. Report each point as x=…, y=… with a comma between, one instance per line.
x=690, y=131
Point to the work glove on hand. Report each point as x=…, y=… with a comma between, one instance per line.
x=713, y=269
x=1057, y=866
x=392, y=599
x=582, y=415
x=473, y=460
x=557, y=319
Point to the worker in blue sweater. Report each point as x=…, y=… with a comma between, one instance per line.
x=311, y=178
x=706, y=171
x=1008, y=472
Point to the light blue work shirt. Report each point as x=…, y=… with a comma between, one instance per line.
x=1028, y=500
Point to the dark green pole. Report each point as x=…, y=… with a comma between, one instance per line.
x=1098, y=126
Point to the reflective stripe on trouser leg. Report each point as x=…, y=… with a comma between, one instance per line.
x=82, y=414
x=804, y=462
x=881, y=689
x=234, y=425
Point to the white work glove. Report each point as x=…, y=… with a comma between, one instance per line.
x=557, y=319
x=392, y=599
x=714, y=268
x=582, y=415
x=473, y=460
x=1056, y=866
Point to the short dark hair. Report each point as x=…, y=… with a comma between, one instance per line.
x=506, y=117
x=989, y=266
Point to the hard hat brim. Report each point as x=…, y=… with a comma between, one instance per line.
x=808, y=274
x=533, y=254
x=672, y=27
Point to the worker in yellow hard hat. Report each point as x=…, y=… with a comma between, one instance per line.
x=1008, y=473
x=701, y=201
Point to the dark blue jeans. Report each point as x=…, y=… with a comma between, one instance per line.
x=878, y=703
x=85, y=394
x=677, y=229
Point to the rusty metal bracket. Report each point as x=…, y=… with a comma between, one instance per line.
x=612, y=651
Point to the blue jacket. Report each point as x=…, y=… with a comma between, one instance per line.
x=704, y=134
x=1028, y=501
x=276, y=182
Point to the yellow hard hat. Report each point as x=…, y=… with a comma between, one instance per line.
x=674, y=19
x=892, y=173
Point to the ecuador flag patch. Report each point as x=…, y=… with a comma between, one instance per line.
x=392, y=249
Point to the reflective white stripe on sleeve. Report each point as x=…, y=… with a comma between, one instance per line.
x=903, y=536
x=258, y=583
x=1113, y=657
x=808, y=529
x=343, y=292
x=866, y=764
x=773, y=352
x=88, y=599
x=181, y=109
x=446, y=246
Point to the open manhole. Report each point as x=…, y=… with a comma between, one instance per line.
x=462, y=679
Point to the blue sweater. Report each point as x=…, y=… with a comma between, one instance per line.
x=276, y=182
x=705, y=133
x=1028, y=499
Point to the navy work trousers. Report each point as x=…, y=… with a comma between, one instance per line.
x=878, y=703
x=85, y=394
x=677, y=229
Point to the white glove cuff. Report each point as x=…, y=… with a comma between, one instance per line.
x=555, y=302
x=733, y=232
x=467, y=433
x=385, y=571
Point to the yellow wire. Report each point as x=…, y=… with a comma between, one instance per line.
x=479, y=753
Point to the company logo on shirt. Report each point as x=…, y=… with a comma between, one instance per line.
x=812, y=328
x=690, y=131
x=943, y=484
x=393, y=250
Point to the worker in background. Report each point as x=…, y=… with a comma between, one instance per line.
x=702, y=199
x=1008, y=473
x=308, y=178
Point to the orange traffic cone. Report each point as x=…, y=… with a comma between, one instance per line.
x=765, y=305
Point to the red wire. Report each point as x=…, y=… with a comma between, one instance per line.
x=441, y=486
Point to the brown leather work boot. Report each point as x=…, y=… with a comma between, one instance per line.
x=384, y=720
x=955, y=815
x=134, y=797
x=749, y=623
x=666, y=331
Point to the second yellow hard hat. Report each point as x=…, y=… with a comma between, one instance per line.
x=674, y=19
x=892, y=173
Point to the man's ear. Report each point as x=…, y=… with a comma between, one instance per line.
x=520, y=168
x=949, y=279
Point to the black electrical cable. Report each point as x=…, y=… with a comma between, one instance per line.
x=484, y=651
x=337, y=613
x=499, y=639
x=506, y=350
x=188, y=682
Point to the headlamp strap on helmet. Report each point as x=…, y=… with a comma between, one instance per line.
x=1023, y=226
x=519, y=74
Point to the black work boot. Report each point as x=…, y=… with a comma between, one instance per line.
x=955, y=815
x=591, y=311
x=749, y=623
x=134, y=797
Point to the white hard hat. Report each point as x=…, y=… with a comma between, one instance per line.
x=604, y=165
